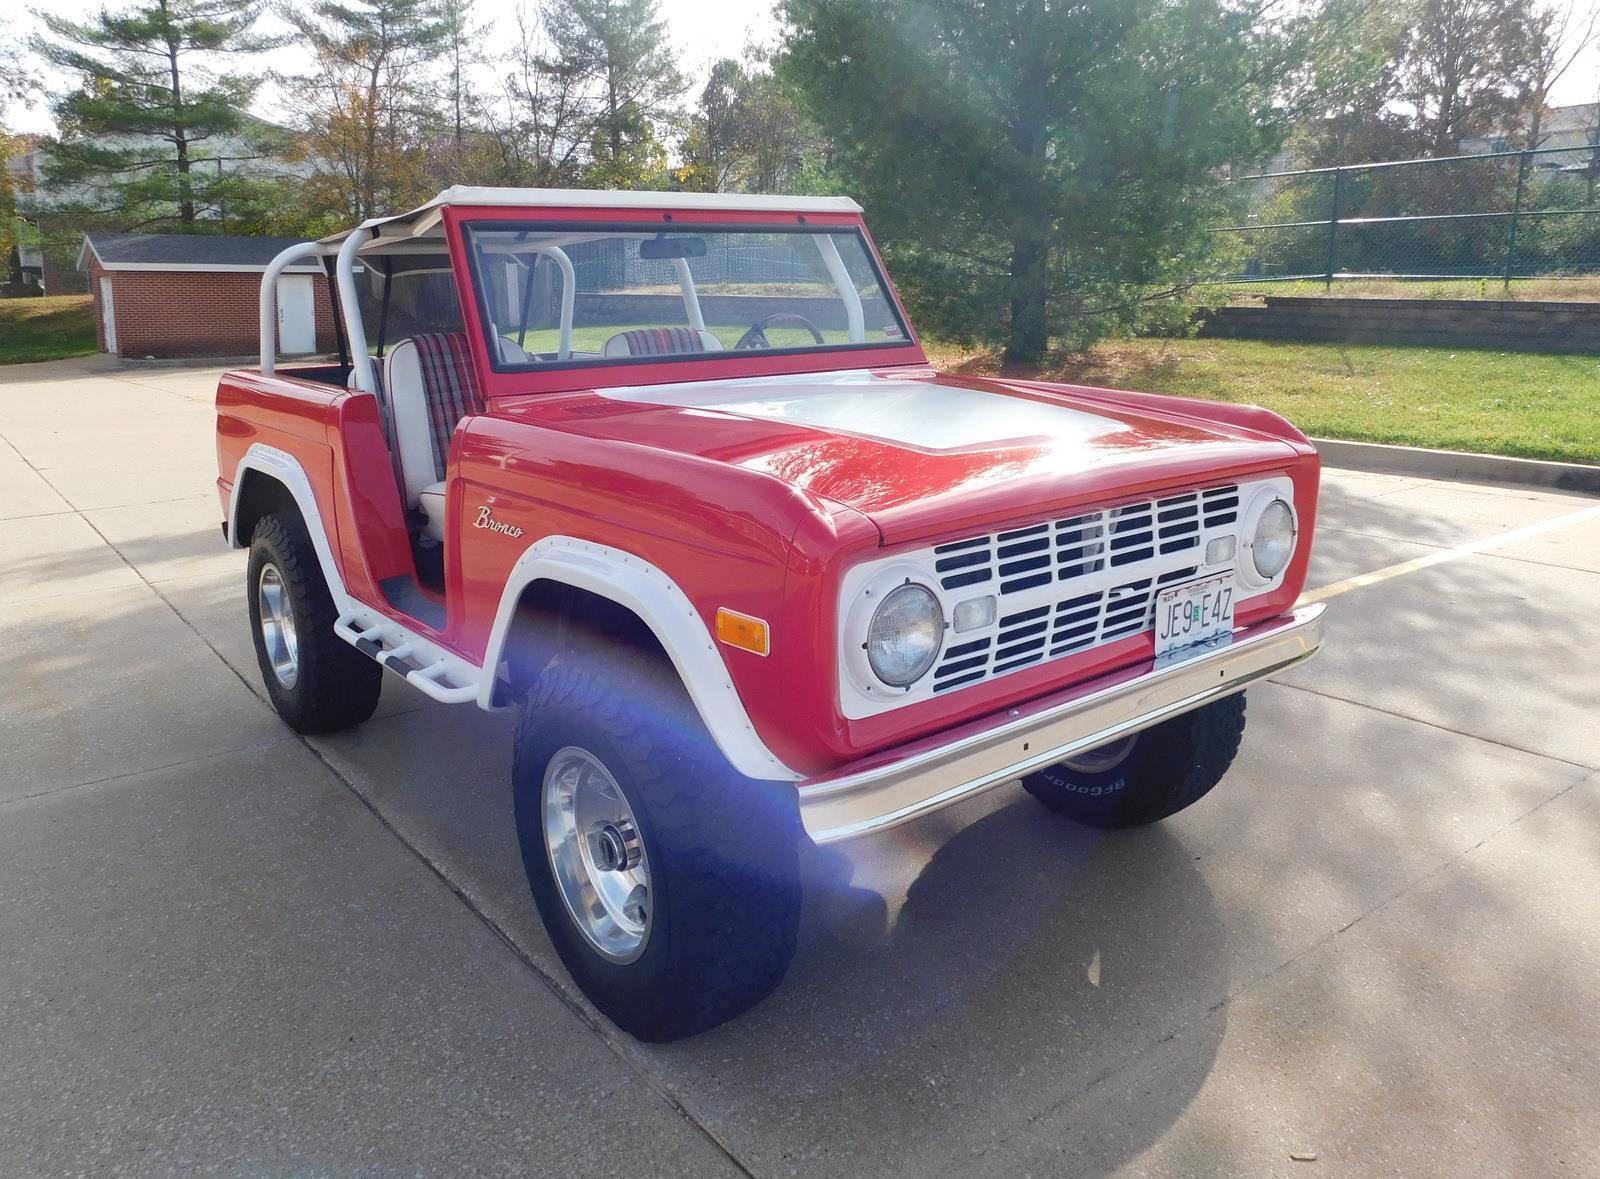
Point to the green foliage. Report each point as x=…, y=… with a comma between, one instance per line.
x=366, y=105
x=749, y=133
x=9, y=225
x=1415, y=77
x=1035, y=171
x=617, y=54
x=151, y=136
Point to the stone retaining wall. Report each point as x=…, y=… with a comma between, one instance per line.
x=738, y=310
x=1449, y=323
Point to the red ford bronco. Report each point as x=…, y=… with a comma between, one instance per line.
x=670, y=475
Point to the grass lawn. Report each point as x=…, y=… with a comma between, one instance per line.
x=1524, y=404
x=52, y=328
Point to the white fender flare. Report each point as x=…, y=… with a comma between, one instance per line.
x=639, y=586
x=284, y=468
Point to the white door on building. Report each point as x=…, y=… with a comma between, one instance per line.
x=297, y=314
x=108, y=315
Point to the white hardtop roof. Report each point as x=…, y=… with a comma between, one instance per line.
x=425, y=217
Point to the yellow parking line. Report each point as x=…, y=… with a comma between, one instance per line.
x=1443, y=555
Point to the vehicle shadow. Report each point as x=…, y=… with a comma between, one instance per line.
x=1031, y=958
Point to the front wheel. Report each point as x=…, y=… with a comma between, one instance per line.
x=669, y=884
x=1146, y=777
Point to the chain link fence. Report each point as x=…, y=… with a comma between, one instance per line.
x=1504, y=215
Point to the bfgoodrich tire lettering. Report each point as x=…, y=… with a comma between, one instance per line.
x=1169, y=767
x=327, y=684
x=723, y=851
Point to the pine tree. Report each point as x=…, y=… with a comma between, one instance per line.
x=140, y=133
x=620, y=51
x=1037, y=170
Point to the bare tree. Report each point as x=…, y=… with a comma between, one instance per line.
x=548, y=116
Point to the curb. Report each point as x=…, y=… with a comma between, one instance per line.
x=1458, y=465
x=157, y=362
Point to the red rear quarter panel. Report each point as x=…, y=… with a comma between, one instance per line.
x=337, y=438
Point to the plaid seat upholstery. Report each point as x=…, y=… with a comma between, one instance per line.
x=386, y=420
x=450, y=386
x=665, y=341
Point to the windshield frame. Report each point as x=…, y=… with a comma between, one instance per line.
x=893, y=349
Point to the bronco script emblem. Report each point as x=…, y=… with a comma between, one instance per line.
x=485, y=520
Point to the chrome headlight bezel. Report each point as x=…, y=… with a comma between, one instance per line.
x=867, y=599
x=927, y=615
x=1248, y=565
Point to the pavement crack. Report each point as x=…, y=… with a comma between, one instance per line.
x=637, y=1067
x=268, y=743
x=1405, y=716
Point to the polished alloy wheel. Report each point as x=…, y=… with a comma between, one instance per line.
x=277, y=626
x=1106, y=757
x=597, y=854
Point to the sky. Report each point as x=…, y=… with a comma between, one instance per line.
x=702, y=30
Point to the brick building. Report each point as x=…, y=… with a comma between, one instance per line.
x=176, y=294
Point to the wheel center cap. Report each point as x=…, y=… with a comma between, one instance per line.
x=616, y=847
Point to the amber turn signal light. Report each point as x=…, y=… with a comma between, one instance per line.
x=742, y=631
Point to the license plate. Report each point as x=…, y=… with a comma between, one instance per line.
x=1194, y=613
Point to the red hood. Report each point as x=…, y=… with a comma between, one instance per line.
x=922, y=454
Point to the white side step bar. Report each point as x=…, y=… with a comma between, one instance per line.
x=434, y=671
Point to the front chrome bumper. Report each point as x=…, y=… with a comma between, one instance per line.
x=890, y=788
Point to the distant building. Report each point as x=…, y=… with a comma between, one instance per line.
x=1563, y=127
x=198, y=294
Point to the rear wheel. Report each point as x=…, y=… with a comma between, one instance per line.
x=669, y=884
x=1148, y=776
x=317, y=682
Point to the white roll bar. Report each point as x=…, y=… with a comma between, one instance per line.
x=355, y=331
x=691, y=296
x=569, y=284
x=847, y=289
x=269, y=298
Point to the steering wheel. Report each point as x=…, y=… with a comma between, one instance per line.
x=756, y=337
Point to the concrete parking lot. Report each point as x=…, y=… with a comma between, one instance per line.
x=227, y=948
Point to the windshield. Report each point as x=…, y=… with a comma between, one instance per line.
x=559, y=295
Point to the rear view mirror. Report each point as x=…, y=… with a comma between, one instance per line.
x=661, y=249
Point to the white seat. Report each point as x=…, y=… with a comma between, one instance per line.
x=511, y=352
x=430, y=501
x=672, y=341
x=425, y=403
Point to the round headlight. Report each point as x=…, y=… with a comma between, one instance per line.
x=1273, y=543
x=904, y=636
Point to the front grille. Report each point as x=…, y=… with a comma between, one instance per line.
x=1071, y=585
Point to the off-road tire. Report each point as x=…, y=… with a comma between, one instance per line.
x=1169, y=767
x=335, y=685
x=723, y=850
